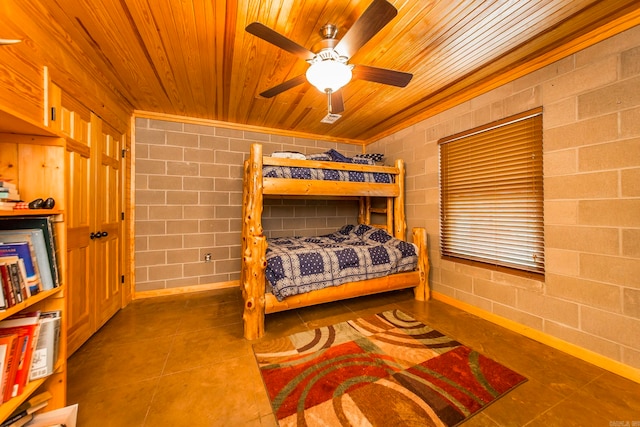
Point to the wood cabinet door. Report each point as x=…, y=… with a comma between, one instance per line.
x=78, y=219
x=21, y=82
x=108, y=222
x=94, y=206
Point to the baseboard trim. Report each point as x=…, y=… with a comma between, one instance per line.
x=566, y=347
x=186, y=289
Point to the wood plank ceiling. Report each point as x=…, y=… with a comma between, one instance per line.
x=194, y=58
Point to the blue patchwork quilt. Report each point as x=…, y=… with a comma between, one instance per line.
x=328, y=174
x=355, y=252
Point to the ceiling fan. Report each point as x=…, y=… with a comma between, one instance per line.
x=329, y=69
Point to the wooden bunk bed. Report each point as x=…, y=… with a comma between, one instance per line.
x=258, y=302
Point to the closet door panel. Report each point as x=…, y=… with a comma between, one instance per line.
x=108, y=221
x=80, y=318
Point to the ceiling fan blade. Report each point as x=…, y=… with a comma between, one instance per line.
x=382, y=75
x=375, y=17
x=277, y=39
x=337, y=103
x=270, y=93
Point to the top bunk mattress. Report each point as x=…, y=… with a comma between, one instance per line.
x=308, y=173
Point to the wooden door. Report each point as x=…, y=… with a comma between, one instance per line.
x=75, y=122
x=108, y=224
x=93, y=217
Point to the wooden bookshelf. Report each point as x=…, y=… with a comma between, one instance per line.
x=33, y=156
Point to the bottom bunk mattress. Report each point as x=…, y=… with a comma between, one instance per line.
x=297, y=265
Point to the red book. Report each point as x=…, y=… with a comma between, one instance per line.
x=7, y=287
x=8, y=371
x=26, y=326
x=12, y=368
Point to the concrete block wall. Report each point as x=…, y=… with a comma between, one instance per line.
x=188, y=198
x=591, y=293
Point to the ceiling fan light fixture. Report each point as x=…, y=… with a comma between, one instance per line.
x=329, y=75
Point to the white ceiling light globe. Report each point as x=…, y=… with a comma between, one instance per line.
x=329, y=75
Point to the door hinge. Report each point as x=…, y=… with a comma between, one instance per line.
x=122, y=279
x=122, y=216
x=124, y=152
x=53, y=114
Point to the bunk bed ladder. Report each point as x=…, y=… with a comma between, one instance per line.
x=367, y=209
x=394, y=208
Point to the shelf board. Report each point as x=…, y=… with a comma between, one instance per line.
x=29, y=302
x=31, y=212
x=11, y=405
x=12, y=122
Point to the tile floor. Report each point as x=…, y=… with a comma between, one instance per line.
x=181, y=361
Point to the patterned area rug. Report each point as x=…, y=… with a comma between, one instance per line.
x=384, y=370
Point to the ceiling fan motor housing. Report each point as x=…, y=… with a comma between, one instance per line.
x=329, y=31
x=329, y=41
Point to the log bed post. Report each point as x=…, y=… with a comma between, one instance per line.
x=421, y=291
x=399, y=224
x=254, y=246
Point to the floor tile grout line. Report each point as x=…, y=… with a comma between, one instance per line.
x=159, y=379
x=565, y=398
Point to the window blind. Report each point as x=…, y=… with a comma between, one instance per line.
x=491, y=183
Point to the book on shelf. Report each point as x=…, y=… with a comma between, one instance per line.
x=18, y=354
x=27, y=409
x=24, y=417
x=10, y=276
x=24, y=251
x=66, y=416
x=9, y=343
x=5, y=342
x=7, y=206
x=8, y=298
x=45, y=224
x=26, y=325
x=34, y=401
x=11, y=279
x=8, y=188
x=15, y=278
x=48, y=345
x=20, y=421
x=19, y=278
x=8, y=184
x=5, y=296
x=35, y=237
x=9, y=195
